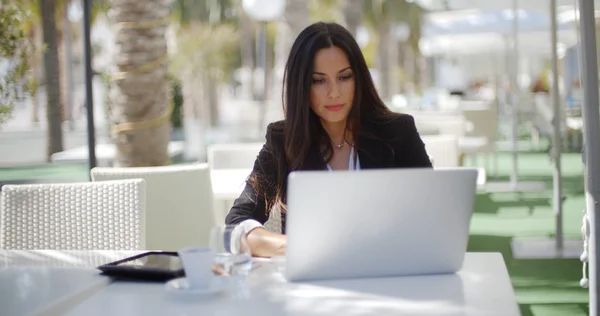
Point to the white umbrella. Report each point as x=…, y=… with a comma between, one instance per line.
x=481, y=43
x=542, y=6
x=491, y=21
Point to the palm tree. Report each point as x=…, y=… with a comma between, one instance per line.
x=207, y=34
x=140, y=103
x=16, y=49
x=61, y=36
x=33, y=29
x=50, y=37
x=205, y=53
x=382, y=16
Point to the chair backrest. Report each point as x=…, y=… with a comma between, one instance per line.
x=484, y=122
x=455, y=127
x=179, y=209
x=442, y=150
x=74, y=216
x=233, y=156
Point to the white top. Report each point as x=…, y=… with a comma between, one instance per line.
x=351, y=166
x=248, y=225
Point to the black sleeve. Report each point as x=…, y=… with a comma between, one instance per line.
x=250, y=204
x=413, y=153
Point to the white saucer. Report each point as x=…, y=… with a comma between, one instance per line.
x=181, y=286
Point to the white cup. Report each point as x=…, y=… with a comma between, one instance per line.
x=197, y=263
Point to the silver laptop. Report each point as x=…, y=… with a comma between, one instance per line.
x=377, y=223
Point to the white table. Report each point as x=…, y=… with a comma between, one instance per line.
x=481, y=175
x=482, y=287
x=47, y=282
x=105, y=153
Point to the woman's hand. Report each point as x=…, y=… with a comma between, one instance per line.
x=264, y=243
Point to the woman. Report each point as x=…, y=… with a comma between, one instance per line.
x=334, y=120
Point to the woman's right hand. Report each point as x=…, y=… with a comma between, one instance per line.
x=264, y=243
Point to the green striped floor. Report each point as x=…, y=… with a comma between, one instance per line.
x=543, y=287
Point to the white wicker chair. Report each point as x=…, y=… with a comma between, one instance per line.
x=74, y=216
x=179, y=203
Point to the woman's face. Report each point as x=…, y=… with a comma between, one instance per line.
x=332, y=88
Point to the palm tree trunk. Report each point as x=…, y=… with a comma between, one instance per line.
x=35, y=109
x=418, y=69
x=68, y=69
x=415, y=23
x=52, y=73
x=34, y=64
x=211, y=89
x=247, y=50
x=408, y=64
x=62, y=75
x=140, y=93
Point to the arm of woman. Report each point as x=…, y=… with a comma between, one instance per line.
x=264, y=243
x=249, y=210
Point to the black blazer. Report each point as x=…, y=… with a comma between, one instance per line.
x=394, y=143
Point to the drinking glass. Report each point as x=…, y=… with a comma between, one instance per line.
x=232, y=254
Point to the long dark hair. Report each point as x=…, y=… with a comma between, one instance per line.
x=303, y=133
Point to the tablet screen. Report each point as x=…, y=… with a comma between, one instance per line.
x=155, y=261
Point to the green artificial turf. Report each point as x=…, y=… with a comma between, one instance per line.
x=543, y=287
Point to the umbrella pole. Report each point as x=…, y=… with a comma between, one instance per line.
x=591, y=131
x=556, y=135
x=548, y=247
x=515, y=94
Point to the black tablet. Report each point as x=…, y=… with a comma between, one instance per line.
x=150, y=266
